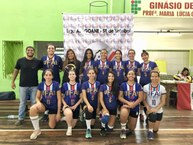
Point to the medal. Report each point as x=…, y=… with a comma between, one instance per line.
x=118, y=68
x=50, y=62
x=110, y=93
x=92, y=91
x=48, y=93
x=103, y=67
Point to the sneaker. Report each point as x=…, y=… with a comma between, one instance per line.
x=88, y=134
x=150, y=135
x=69, y=132
x=141, y=118
x=19, y=122
x=35, y=134
x=45, y=118
x=108, y=129
x=103, y=132
x=123, y=134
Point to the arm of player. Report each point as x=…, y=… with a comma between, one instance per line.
x=145, y=102
x=105, y=110
x=140, y=99
x=162, y=102
x=59, y=97
x=90, y=108
x=78, y=103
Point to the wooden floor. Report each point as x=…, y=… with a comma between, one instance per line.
x=176, y=129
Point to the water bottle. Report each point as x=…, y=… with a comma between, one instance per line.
x=11, y=116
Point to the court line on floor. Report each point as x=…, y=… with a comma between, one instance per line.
x=53, y=130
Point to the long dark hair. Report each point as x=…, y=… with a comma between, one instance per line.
x=115, y=87
x=66, y=61
x=85, y=59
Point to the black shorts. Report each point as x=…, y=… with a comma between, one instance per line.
x=159, y=116
x=76, y=113
x=50, y=110
x=112, y=111
x=134, y=114
x=93, y=113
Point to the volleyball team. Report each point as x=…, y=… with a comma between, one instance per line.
x=100, y=86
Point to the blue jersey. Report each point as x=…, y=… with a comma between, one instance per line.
x=119, y=70
x=109, y=99
x=145, y=72
x=130, y=93
x=71, y=93
x=55, y=64
x=103, y=69
x=91, y=92
x=49, y=94
x=132, y=66
x=87, y=66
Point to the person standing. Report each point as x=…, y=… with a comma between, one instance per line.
x=86, y=64
x=28, y=67
x=70, y=62
x=53, y=62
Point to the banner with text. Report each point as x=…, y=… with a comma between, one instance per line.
x=162, y=8
x=98, y=32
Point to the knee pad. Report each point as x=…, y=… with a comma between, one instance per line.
x=88, y=114
x=105, y=119
x=152, y=117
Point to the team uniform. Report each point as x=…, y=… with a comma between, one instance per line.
x=72, y=96
x=132, y=66
x=54, y=64
x=154, y=97
x=110, y=100
x=88, y=65
x=92, y=95
x=49, y=96
x=119, y=69
x=145, y=72
x=103, y=69
x=130, y=93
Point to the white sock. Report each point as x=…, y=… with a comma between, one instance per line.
x=88, y=124
x=123, y=126
x=111, y=127
x=35, y=122
x=46, y=112
x=103, y=125
x=141, y=112
x=151, y=130
x=70, y=127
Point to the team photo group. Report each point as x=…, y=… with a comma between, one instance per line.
x=111, y=88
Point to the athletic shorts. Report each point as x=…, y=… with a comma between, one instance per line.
x=112, y=111
x=51, y=110
x=134, y=114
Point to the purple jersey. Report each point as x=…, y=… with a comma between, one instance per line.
x=55, y=64
x=103, y=69
x=87, y=66
x=91, y=92
x=119, y=70
x=132, y=66
x=71, y=93
x=49, y=94
x=130, y=93
x=145, y=72
x=109, y=99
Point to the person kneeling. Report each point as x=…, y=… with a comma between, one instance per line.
x=154, y=100
x=48, y=97
x=71, y=100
